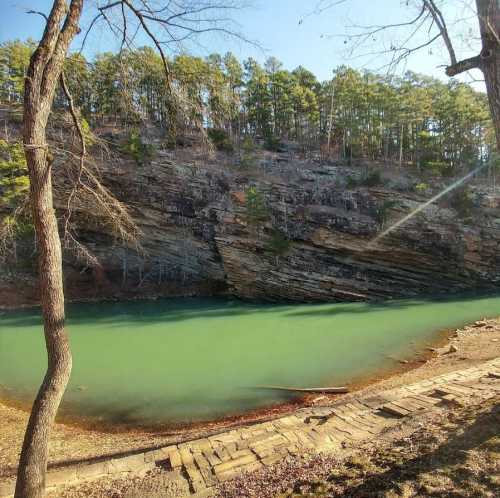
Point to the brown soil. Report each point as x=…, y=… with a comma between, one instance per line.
x=474, y=344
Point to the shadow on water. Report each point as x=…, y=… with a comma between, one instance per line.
x=133, y=414
x=143, y=311
x=387, y=305
x=170, y=310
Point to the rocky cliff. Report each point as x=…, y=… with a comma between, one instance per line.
x=283, y=231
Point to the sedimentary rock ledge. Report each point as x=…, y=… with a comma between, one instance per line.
x=197, y=237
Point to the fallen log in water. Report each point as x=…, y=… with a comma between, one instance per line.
x=327, y=390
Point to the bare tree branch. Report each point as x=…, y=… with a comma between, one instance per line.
x=463, y=66
x=443, y=30
x=38, y=13
x=83, y=150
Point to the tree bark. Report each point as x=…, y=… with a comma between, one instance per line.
x=463, y=65
x=43, y=74
x=488, y=60
x=488, y=12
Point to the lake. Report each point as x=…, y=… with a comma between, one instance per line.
x=175, y=361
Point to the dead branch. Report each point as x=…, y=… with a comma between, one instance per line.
x=429, y=16
x=438, y=18
x=83, y=149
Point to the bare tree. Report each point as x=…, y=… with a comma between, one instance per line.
x=164, y=23
x=432, y=24
x=40, y=85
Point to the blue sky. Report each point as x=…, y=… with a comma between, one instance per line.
x=316, y=43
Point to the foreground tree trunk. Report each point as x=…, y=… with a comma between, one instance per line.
x=40, y=85
x=488, y=60
x=488, y=12
x=44, y=72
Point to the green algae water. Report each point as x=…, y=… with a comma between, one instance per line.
x=187, y=360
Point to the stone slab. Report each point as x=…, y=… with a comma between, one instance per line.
x=186, y=456
x=131, y=463
x=175, y=458
x=232, y=464
x=93, y=470
x=395, y=410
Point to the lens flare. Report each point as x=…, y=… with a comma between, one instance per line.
x=420, y=208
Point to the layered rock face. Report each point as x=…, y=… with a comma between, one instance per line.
x=285, y=231
x=199, y=233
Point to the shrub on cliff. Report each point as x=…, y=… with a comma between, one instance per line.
x=220, y=139
x=15, y=222
x=14, y=182
x=256, y=211
x=438, y=168
x=369, y=179
x=382, y=213
x=273, y=143
x=134, y=147
x=278, y=244
x=247, y=157
x=372, y=179
x=462, y=202
x=422, y=188
x=19, y=227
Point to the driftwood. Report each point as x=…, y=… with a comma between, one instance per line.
x=327, y=390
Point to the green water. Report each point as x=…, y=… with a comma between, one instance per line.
x=177, y=361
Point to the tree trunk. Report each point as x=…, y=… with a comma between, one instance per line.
x=41, y=81
x=33, y=461
x=488, y=12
